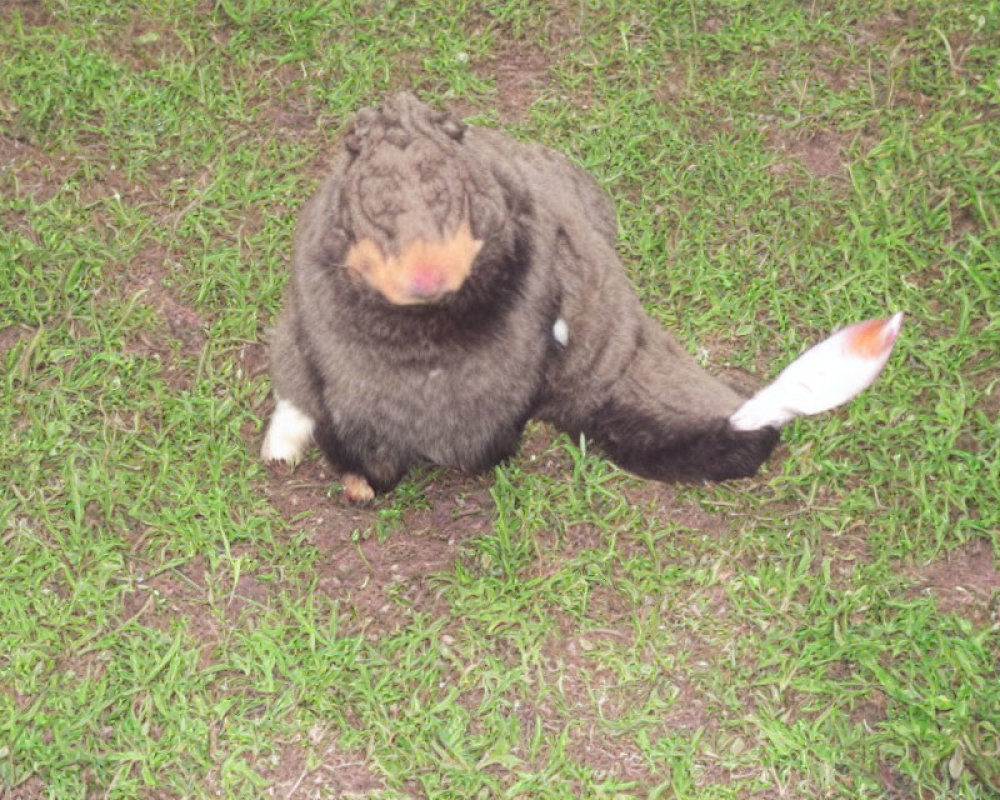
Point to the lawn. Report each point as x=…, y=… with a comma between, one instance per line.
x=179, y=621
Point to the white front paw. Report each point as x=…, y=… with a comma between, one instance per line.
x=289, y=434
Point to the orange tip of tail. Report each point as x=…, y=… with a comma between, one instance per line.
x=873, y=338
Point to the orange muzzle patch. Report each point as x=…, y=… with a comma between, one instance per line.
x=424, y=270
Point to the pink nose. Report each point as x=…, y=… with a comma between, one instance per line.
x=427, y=282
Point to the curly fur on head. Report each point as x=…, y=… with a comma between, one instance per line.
x=448, y=284
x=410, y=179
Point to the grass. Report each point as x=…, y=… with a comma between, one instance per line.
x=177, y=621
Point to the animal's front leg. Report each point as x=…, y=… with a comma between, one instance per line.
x=289, y=433
x=357, y=489
x=368, y=464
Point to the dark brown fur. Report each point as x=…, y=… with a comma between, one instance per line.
x=452, y=379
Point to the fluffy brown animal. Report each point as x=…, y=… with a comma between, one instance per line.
x=448, y=284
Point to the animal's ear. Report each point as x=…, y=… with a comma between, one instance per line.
x=359, y=129
x=453, y=128
x=421, y=114
x=488, y=211
x=333, y=244
x=496, y=203
x=329, y=229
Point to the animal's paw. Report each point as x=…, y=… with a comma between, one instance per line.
x=357, y=489
x=289, y=434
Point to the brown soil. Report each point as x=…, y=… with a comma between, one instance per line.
x=965, y=582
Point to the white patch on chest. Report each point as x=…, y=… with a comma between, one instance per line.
x=289, y=434
x=560, y=332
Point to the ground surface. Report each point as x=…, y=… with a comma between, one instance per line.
x=178, y=621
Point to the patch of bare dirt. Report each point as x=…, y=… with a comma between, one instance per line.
x=586, y=696
x=316, y=769
x=32, y=13
x=11, y=335
x=990, y=402
x=33, y=172
x=897, y=785
x=376, y=563
x=29, y=171
x=890, y=25
x=965, y=582
x=31, y=789
x=661, y=501
x=144, y=280
x=190, y=591
x=591, y=695
x=293, y=121
x=610, y=756
x=520, y=69
x=177, y=593
x=183, y=331
x=821, y=154
x=520, y=59
x=870, y=711
x=143, y=46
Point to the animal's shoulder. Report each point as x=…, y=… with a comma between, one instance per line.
x=549, y=173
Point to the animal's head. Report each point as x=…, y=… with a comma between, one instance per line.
x=415, y=203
